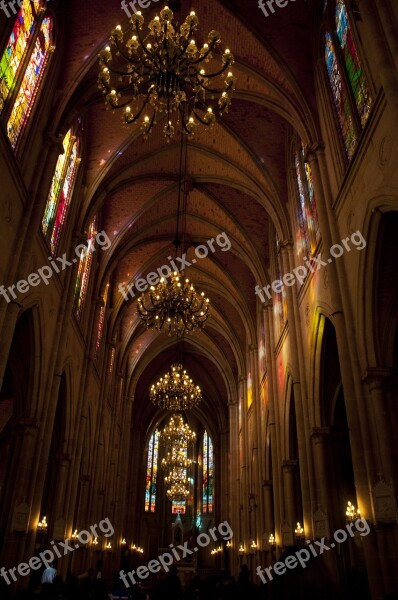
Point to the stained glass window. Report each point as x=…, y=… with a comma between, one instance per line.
x=33, y=76
x=83, y=273
x=151, y=473
x=16, y=49
x=340, y=97
x=61, y=191
x=307, y=235
x=352, y=63
x=208, y=474
x=101, y=320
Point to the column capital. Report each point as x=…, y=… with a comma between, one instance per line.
x=289, y=465
x=314, y=150
x=54, y=142
x=374, y=376
x=320, y=432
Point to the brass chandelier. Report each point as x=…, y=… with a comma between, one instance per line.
x=175, y=390
x=173, y=307
x=162, y=73
x=177, y=432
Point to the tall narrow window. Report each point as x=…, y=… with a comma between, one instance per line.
x=101, y=320
x=83, y=273
x=151, y=473
x=61, y=191
x=208, y=474
x=350, y=91
x=16, y=49
x=27, y=93
x=308, y=234
x=340, y=97
x=355, y=74
x=23, y=65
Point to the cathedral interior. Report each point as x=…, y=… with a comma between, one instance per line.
x=199, y=296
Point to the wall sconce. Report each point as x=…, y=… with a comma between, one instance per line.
x=241, y=549
x=228, y=544
x=75, y=535
x=272, y=541
x=352, y=513
x=43, y=525
x=123, y=542
x=299, y=533
x=94, y=541
x=216, y=550
x=108, y=546
x=137, y=549
x=253, y=547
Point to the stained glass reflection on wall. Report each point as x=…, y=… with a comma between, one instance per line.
x=83, y=274
x=27, y=93
x=208, y=474
x=340, y=97
x=101, y=320
x=151, y=472
x=355, y=74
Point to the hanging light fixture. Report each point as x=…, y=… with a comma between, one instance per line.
x=176, y=431
x=173, y=307
x=175, y=390
x=162, y=73
x=178, y=491
x=176, y=457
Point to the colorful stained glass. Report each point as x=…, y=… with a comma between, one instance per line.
x=308, y=234
x=83, y=273
x=61, y=191
x=27, y=93
x=178, y=506
x=340, y=98
x=352, y=63
x=101, y=320
x=15, y=51
x=302, y=241
x=151, y=473
x=208, y=474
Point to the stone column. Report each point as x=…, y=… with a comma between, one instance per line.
x=319, y=437
x=234, y=483
x=288, y=467
x=274, y=419
x=301, y=409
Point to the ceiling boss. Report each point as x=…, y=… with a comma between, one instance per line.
x=164, y=75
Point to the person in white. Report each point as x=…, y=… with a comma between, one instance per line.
x=49, y=575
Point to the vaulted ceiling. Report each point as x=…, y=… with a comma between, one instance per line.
x=236, y=170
